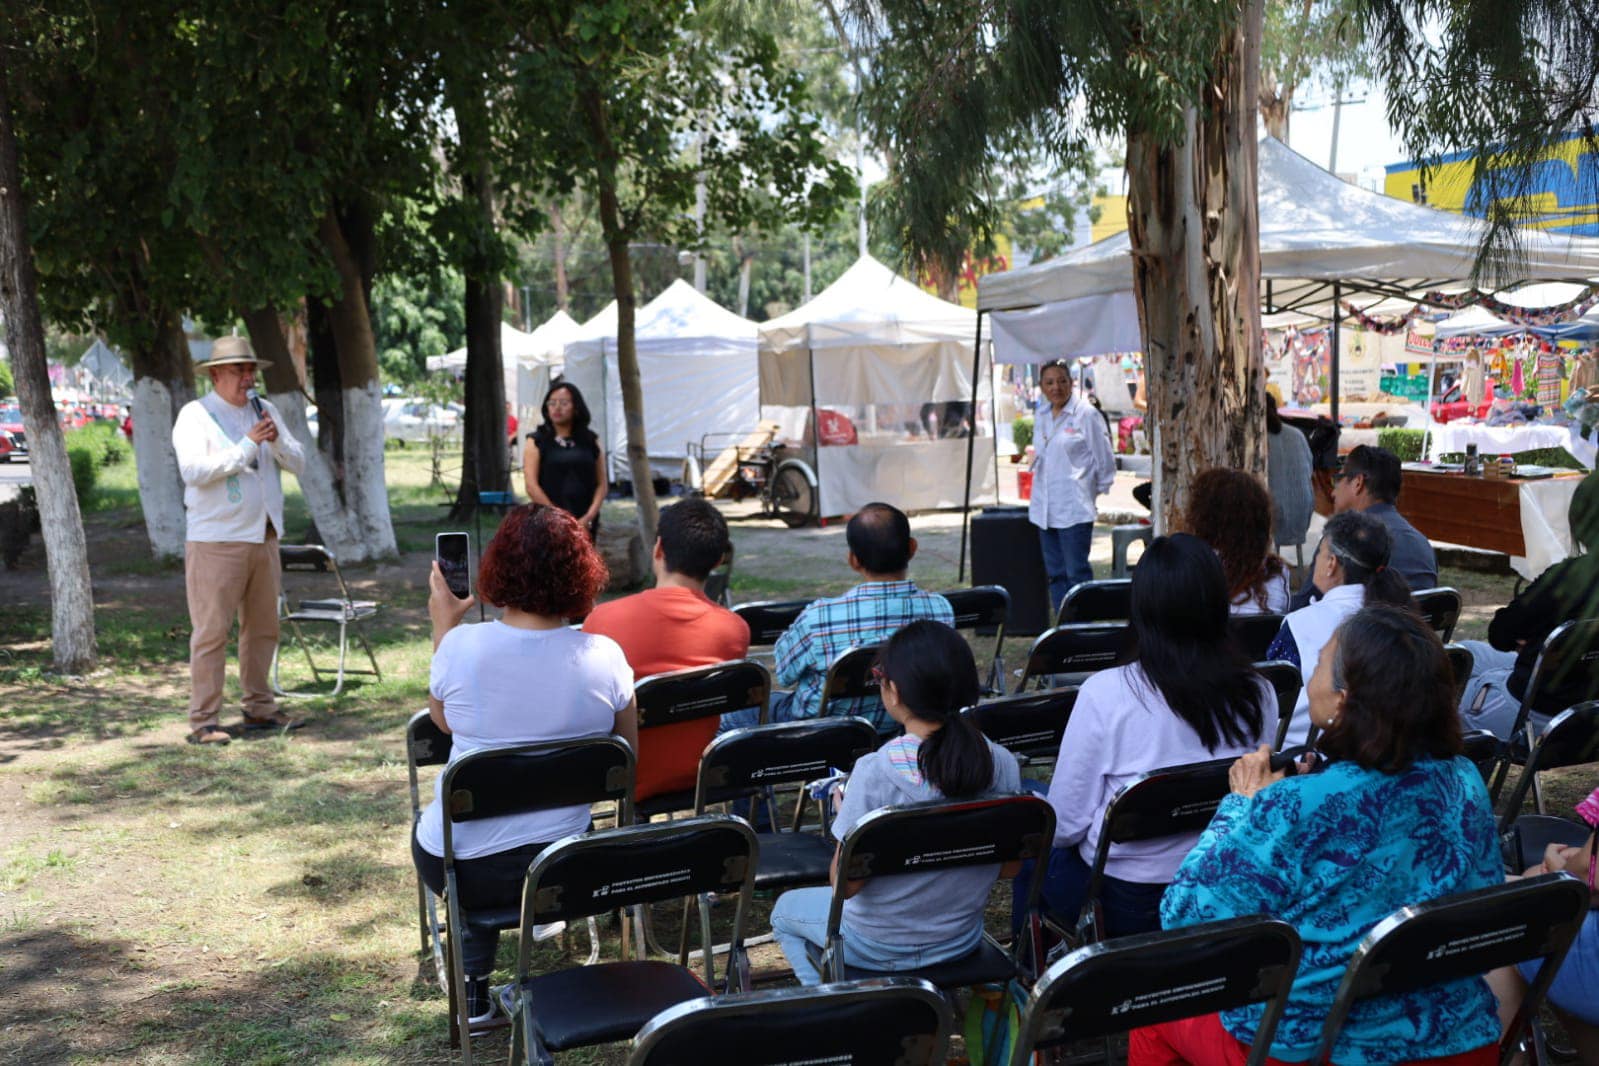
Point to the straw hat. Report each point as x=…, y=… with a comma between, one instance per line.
x=227, y=351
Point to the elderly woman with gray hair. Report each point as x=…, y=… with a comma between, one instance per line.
x=1350, y=570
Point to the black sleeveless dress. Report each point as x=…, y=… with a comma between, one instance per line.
x=566, y=472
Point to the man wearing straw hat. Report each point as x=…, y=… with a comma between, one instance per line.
x=229, y=449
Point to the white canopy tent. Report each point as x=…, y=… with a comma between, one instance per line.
x=870, y=343
x=696, y=365
x=525, y=358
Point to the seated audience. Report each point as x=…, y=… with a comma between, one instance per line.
x=1574, y=995
x=1397, y=816
x=1188, y=695
x=880, y=550
x=674, y=626
x=1230, y=511
x=1568, y=590
x=1350, y=570
x=1369, y=483
x=522, y=679
x=909, y=921
x=1289, y=469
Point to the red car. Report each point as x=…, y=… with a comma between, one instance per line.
x=13, y=440
x=1450, y=406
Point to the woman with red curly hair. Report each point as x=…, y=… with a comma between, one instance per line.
x=1231, y=511
x=521, y=679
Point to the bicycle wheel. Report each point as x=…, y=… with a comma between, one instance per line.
x=793, y=496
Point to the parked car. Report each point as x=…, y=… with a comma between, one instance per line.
x=13, y=439
x=410, y=419
x=1450, y=406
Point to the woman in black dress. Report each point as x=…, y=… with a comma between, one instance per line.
x=565, y=467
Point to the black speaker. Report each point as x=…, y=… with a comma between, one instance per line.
x=1005, y=551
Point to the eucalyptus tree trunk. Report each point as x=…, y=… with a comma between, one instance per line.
x=163, y=381
x=1194, y=226
x=558, y=247
x=348, y=317
x=335, y=524
x=72, y=639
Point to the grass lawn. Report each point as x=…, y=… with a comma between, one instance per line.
x=165, y=904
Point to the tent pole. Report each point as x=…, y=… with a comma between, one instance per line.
x=1338, y=317
x=971, y=444
x=816, y=426
x=1432, y=370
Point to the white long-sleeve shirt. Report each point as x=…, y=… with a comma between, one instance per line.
x=1072, y=464
x=228, y=498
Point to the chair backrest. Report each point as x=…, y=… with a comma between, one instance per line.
x=850, y=677
x=1566, y=673
x=1029, y=725
x=702, y=692
x=744, y=761
x=1286, y=681
x=1461, y=662
x=1441, y=608
x=885, y=1020
x=1572, y=739
x=305, y=558
x=1463, y=936
x=980, y=607
x=1143, y=980
x=535, y=777
x=600, y=871
x=1161, y=803
x=768, y=619
x=1110, y=600
x=1075, y=649
x=1255, y=632
x=425, y=745
x=1484, y=750
x=719, y=581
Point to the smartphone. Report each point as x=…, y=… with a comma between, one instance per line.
x=452, y=550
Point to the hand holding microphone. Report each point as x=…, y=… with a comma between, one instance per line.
x=265, y=430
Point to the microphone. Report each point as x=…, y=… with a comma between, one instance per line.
x=255, y=402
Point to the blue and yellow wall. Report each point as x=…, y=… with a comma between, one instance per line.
x=1565, y=188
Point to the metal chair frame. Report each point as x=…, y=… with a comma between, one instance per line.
x=1287, y=682
x=1572, y=739
x=1441, y=608
x=984, y=607
x=850, y=677
x=1571, y=648
x=1030, y=726
x=343, y=612
x=768, y=619
x=1255, y=633
x=426, y=745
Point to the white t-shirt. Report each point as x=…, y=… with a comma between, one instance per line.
x=503, y=686
x=1277, y=594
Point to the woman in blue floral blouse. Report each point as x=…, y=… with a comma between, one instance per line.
x=1396, y=816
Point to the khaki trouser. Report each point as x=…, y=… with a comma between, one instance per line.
x=227, y=580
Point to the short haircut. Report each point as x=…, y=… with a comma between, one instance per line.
x=543, y=562
x=693, y=538
x=1380, y=468
x=1399, y=692
x=880, y=537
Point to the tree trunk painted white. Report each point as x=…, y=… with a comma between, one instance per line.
x=160, y=483
x=365, y=490
x=1194, y=226
x=66, y=551
x=333, y=521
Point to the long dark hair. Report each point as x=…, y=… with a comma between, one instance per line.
x=1184, y=645
x=1361, y=544
x=932, y=667
x=580, y=417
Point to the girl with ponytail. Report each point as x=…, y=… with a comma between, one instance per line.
x=892, y=923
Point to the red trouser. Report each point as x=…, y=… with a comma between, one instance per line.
x=1203, y=1042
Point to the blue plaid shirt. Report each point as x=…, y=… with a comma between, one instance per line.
x=867, y=614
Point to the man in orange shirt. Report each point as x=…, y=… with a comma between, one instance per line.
x=674, y=626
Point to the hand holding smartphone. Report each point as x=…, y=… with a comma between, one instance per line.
x=452, y=551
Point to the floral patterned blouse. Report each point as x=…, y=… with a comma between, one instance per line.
x=1333, y=853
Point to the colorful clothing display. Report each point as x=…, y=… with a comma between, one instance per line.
x=1549, y=369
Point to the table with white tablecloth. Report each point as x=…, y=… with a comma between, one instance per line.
x=1525, y=519
x=1508, y=440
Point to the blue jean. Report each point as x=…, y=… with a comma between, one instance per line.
x=779, y=709
x=800, y=918
x=1066, y=560
x=1129, y=906
x=1490, y=671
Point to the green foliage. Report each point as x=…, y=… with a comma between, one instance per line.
x=1021, y=431
x=7, y=386
x=86, y=453
x=1405, y=443
x=415, y=316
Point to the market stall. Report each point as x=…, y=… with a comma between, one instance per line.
x=884, y=371
x=1523, y=518
x=528, y=360
x=696, y=366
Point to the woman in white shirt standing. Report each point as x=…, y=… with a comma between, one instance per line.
x=1231, y=511
x=1188, y=695
x=521, y=679
x=1072, y=465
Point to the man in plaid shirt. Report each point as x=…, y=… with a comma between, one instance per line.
x=880, y=550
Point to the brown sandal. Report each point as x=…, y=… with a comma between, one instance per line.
x=209, y=735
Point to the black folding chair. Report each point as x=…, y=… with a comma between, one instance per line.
x=1109, y=600
x=984, y=609
x=718, y=583
x=1484, y=750
x=850, y=676
x=508, y=781
x=887, y=1020
x=1286, y=681
x=341, y=611
x=1137, y=981
x=923, y=838
x=1441, y=608
x=696, y=693
x=1029, y=726
x=1565, y=674
x=1464, y=936
x=1461, y=662
x=769, y=618
x=586, y=875
x=1255, y=633
x=1572, y=739
x=426, y=745
x=1172, y=801
x=1068, y=654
